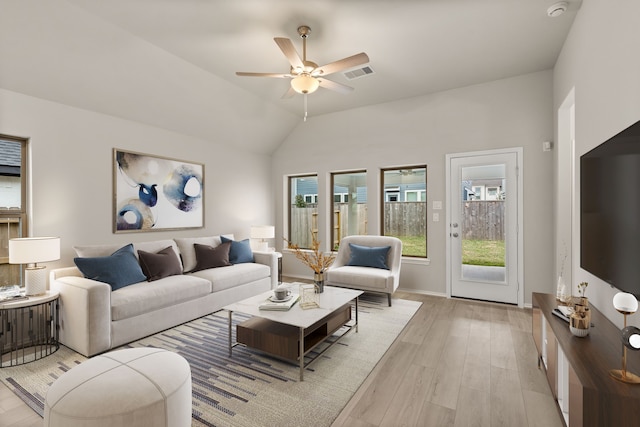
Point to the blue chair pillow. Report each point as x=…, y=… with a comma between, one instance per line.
x=119, y=269
x=368, y=256
x=240, y=251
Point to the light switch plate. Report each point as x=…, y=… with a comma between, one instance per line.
x=437, y=205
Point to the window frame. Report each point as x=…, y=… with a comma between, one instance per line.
x=383, y=201
x=19, y=214
x=335, y=240
x=291, y=197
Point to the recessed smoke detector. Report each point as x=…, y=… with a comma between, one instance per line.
x=557, y=9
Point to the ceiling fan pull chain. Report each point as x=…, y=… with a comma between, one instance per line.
x=305, y=107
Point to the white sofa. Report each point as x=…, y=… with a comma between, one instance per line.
x=94, y=318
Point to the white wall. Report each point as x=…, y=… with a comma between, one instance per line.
x=514, y=112
x=72, y=167
x=600, y=62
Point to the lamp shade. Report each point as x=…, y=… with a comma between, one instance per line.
x=31, y=250
x=625, y=302
x=263, y=232
x=304, y=83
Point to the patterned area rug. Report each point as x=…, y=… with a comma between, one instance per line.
x=250, y=388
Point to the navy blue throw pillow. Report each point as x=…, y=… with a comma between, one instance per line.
x=119, y=269
x=367, y=256
x=240, y=251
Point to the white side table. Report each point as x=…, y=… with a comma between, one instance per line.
x=29, y=329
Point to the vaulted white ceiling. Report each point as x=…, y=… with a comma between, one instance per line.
x=172, y=63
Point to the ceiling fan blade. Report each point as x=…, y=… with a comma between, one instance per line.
x=278, y=75
x=335, y=86
x=289, y=93
x=286, y=46
x=342, y=64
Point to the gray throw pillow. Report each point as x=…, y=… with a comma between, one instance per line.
x=158, y=265
x=210, y=257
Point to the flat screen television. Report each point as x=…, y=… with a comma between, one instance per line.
x=610, y=210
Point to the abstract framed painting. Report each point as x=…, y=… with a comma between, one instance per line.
x=153, y=193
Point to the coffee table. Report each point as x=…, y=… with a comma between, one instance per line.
x=292, y=334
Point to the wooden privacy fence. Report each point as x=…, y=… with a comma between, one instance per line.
x=405, y=218
x=483, y=220
x=400, y=219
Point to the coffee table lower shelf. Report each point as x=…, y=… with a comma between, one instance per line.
x=290, y=342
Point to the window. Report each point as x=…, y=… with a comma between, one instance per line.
x=13, y=200
x=349, y=207
x=404, y=211
x=303, y=209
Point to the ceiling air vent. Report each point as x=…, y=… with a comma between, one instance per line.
x=359, y=72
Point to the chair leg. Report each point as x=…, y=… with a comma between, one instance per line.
x=389, y=298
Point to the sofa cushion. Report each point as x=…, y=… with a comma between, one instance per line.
x=210, y=257
x=359, y=277
x=368, y=256
x=91, y=251
x=160, y=264
x=234, y=275
x=145, y=297
x=240, y=251
x=119, y=269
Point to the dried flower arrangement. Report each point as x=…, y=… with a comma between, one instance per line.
x=582, y=288
x=315, y=259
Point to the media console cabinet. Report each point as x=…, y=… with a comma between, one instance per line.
x=578, y=368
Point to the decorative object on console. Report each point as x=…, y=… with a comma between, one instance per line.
x=626, y=304
x=156, y=193
x=580, y=317
x=562, y=294
x=262, y=232
x=31, y=251
x=315, y=259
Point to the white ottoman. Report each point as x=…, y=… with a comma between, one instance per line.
x=123, y=388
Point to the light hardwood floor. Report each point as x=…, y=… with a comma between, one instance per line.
x=457, y=363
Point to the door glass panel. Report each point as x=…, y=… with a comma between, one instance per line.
x=482, y=227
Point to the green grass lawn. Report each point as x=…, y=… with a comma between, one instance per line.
x=483, y=252
x=474, y=252
x=414, y=245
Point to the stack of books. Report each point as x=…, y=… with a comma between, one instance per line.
x=268, y=304
x=11, y=293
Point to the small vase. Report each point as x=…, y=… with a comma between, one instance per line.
x=318, y=280
x=580, y=319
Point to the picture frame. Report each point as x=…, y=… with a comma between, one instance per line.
x=155, y=193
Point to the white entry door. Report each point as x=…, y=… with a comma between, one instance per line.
x=484, y=210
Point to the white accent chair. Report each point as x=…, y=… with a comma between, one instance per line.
x=367, y=279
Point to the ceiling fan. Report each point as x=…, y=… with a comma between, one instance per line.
x=306, y=76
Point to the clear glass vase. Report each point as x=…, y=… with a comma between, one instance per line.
x=562, y=293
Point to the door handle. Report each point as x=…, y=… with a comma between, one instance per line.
x=454, y=235
x=454, y=225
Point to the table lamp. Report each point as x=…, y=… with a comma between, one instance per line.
x=262, y=232
x=627, y=304
x=31, y=251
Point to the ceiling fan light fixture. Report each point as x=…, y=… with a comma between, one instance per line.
x=304, y=83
